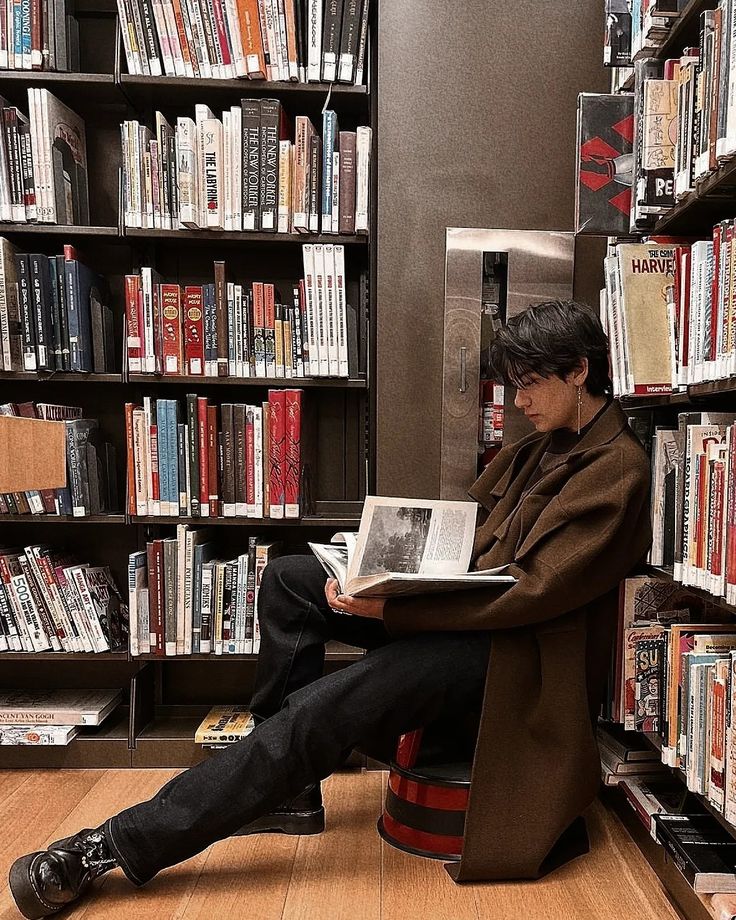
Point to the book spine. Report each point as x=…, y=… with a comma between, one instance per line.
x=314, y=40
x=362, y=45
x=250, y=486
x=239, y=455
x=269, y=163
x=349, y=36
x=193, y=454
x=315, y=181
x=277, y=446
x=170, y=306
x=212, y=462
x=251, y=150
x=347, y=182
x=221, y=313
x=363, y=143
x=194, y=331
x=292, y=453
x=228, y=460
x=203, y=454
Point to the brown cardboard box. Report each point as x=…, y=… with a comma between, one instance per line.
x=32, y=454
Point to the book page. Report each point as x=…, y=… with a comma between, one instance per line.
x=413, y=536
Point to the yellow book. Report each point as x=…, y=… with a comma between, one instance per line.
x=224, y=725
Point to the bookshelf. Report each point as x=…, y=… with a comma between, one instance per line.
x=165, y=698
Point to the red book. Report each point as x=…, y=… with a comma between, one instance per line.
x=204, y=476
x=269, y=299
x=155, y=555
x=134, y=347
x=730, y=561
x=293, y=453
x=212, y=458
x=193, y=331
x=250, y=465
x=171, y=328
x=259, y=330
x=222, y=36
x=266, y=407
x=131, y=458
x=277, y=435
x=719, y=477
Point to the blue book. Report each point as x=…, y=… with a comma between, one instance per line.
x=172, y=455
x=81, y=284
x=163, y=464
x=329, y=140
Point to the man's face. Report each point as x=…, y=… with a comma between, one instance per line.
x=548, y=402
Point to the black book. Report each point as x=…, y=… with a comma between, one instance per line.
x=27, y=317
x=269, y=172
x=625, y=745
x=315, y=181
x=228, y=460
x=251, y=116
x=349, y=35
x=150, y=36
x=56, y=345
x=41, y=297
x=182, y=447
x=59, y=263
x=78, y=433
x=301, y=38
x=111, y=498
x=210, y=328
x=193, y=446
x=701, y=849
x=82, y=284
x=331, y=23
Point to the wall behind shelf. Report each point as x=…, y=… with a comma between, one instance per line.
x=476, y=128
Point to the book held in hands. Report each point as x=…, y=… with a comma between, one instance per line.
x=407, y=546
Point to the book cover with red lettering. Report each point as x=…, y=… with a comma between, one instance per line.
x=277, y=449
x=170, y=307
x=292, y=452
x=193, y=331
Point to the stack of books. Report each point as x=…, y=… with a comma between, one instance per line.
x=52, y=717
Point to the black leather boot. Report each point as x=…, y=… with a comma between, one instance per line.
x=304, y=814
x=45, y=882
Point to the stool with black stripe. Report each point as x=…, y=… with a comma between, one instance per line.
x=426, y=800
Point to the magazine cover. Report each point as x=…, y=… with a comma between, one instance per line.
x=605, y=164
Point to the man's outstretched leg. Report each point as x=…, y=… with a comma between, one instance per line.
x=398, y=687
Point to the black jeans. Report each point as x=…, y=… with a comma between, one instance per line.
x=312, y=722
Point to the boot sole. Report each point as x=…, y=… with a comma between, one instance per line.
x=27, y=900
x=301, y=823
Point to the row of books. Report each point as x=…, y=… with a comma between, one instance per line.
x=636, y=27
x=247, y=170
x=698, y=844
x=43, y=162
x=42, y=35
x=693, y=504
x=90, y=463
x=50, y=603
x=197, y=459
x=228, y=329
x=299, y=40
x=184, y=600
x=55, y=313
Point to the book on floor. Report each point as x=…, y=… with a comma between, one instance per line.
x=702, y=850
x=38, y=735
x=407, y=546
x=224, y=725
x=57, y=707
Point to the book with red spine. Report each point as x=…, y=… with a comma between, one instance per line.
x=250, y=467
x=730, y=518
x=170, y=307
x=259, y=329
x=277, y=438
x=718, y=486
x=204, y=476
x=227, y=61
x=134, y=347
x=130, y=468
x=193, y=331
x=292, y=452
x=266, y=408
x=156, y=599
x=212, y=464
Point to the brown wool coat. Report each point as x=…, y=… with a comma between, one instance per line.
x=570, y=541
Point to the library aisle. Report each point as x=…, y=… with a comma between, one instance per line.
x=347, y=872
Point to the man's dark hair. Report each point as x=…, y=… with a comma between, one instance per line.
x=549, y=339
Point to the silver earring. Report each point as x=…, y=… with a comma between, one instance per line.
x=580, y=405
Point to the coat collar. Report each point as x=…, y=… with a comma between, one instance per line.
x=609, y=425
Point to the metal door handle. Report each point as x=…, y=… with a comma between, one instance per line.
x=463, y=369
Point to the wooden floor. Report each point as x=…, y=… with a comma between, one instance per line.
x=347, y=873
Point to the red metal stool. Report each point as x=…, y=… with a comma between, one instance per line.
x=424, y=811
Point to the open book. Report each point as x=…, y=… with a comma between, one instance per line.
x=407, y=546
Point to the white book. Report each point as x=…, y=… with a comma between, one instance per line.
x=320, y=310
x=29, y=614
x=57, y=707
x=336, y=192
x=176, y=50
x=51, y=594
x=154, y=505
x=148, y=219
x=211, y=165
x=187, y=168
x=240, y=362
x=285, y=186
x=283, y=42
x=342, y=320
x=240, y=599
x=330, y=303
x=258, y=459
x=149, y=283
x=363, y=142
x=310, y=309
x=236, y=136
x=227, y=172
x=76, y=576
x=239, y=67
x=37, y=735
x=199, y=39
x=314, y=40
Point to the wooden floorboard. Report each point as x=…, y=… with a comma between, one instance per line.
x=347, y=873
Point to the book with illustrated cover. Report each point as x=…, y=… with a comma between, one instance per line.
x=224, y=725
x=57, y=707
x=37, y=735
x=407, y=546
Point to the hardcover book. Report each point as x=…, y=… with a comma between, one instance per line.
x=605, y=125
x=703, y=851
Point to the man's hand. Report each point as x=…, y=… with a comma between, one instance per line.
x=360, y=606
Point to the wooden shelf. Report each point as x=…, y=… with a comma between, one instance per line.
x=335, y=651
x=80, y=90
x=695, y=393
x=244, y=236
x=60, y=377
x=308, y=521
x=721, y=602
x=35, y=229
x=61, y=519
x=63, y=656
x=301, y=98
x=286, y=382
x=714, y=199
x=652, y=402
